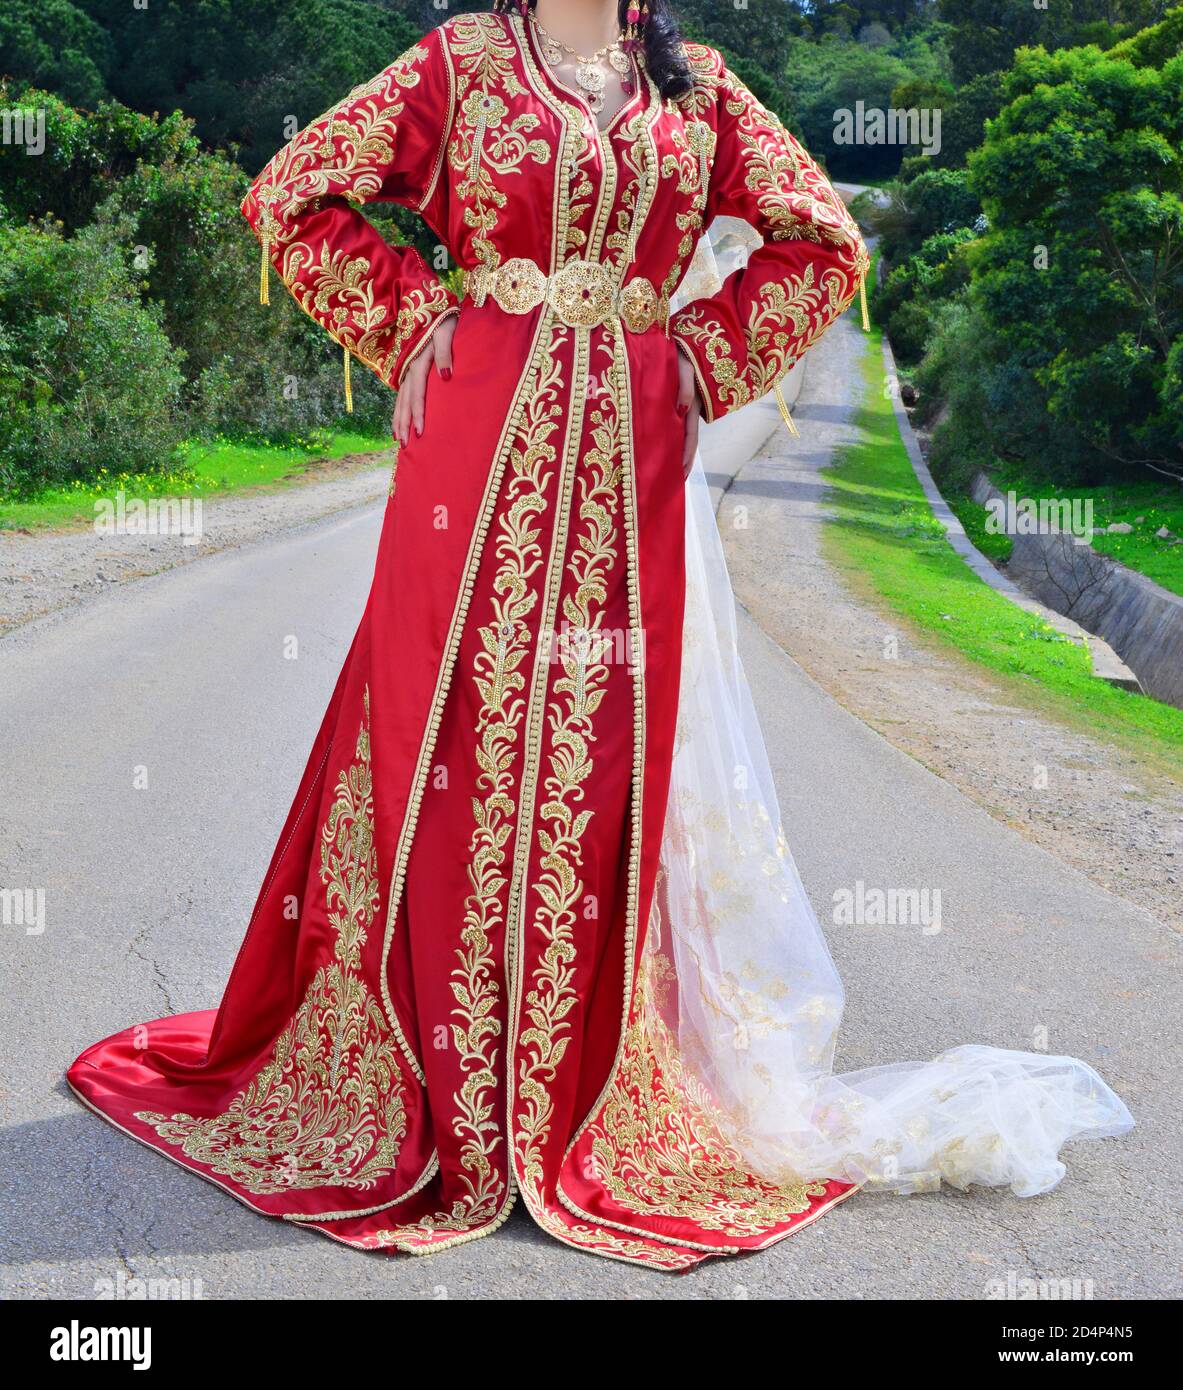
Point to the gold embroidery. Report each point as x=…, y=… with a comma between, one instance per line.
x=577, y=694
x=360, y=149
x=693, y=324
x=483, y=143
x=658, y=1148
x=328, y=1108
x=704, y=80
x=506, y=643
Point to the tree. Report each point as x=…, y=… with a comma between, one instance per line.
x=54, y=44
x=1080, y=277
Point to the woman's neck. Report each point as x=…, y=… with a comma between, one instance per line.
x=587, y=25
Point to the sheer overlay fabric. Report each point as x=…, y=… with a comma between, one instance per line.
x=758, y=1002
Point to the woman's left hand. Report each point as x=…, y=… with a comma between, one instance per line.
x=689, y=409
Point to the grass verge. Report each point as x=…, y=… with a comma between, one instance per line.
x=889, y=547
x=204, y=470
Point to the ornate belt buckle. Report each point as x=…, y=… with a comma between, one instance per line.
x=519, y=286
x=581, y=293
x=638, y=305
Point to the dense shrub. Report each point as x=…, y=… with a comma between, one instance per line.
x=88, y=379
x=935, y=200
x=908, y=298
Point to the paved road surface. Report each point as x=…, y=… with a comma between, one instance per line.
x=185, y=676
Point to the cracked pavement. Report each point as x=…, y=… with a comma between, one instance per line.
x=181, y=682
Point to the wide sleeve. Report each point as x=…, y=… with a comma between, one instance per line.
x=383, y=143
x=744, y=338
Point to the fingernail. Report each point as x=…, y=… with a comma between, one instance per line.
x=682, y=410
x=446, y=373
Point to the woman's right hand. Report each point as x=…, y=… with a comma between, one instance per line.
x=689, y=409
x=408, y=407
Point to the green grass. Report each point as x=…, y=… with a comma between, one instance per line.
x=204, y=470
x=1145, y=505
x=887, y=543
x=995, y=545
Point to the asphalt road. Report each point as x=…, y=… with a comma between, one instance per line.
x=186, y=679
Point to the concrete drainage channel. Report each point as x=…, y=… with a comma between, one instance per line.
x=1107, y=664
x=1136, y=617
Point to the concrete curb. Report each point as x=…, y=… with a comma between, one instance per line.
x=1107, y=665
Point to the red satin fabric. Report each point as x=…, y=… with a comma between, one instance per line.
x=440, y=1004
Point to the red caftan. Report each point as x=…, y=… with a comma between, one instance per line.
x=439, y=1003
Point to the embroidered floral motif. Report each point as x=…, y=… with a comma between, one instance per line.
x=575, y=697
x=657, y=1146
x=486, y=148
x=359, y=151
x=476, y=980
x=467, y=129
x=739, y=346
x=328, y=1109
x=498, y=677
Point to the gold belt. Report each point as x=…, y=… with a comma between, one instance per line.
x=583, y=294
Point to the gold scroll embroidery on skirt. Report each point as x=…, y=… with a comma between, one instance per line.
x=328, y=1109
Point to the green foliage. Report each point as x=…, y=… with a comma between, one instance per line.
x=964, y=114
x=85, y=156
x=54, y=44
x=881, y=536
x=167, y=209
x=986, y=33
x=242, y=69
x=935, y=200
x=908, y=297
x=1084, y=162
x=822, y=81
x=88, y=380
x=1156, y=46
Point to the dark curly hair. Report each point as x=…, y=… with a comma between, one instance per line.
x=665, y=58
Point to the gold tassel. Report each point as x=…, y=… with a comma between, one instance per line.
x=264, y=270
x=348, y=386
x=784, y=413
x=862, y=300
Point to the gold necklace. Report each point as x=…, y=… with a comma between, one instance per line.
x=589, y=74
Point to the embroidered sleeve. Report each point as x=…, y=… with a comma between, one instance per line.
x=383, y=143
x=744, y=338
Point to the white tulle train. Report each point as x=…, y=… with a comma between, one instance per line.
x=758, y=1002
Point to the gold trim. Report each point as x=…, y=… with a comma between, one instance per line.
x=445, y=135
x=638, y=788
x=450, y=312
x=447, y=662
x=238, y=1197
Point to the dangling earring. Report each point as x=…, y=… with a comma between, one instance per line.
x=635, y=21
x=524, y=10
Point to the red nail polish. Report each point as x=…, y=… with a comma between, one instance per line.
x=446, y=373
x=683, y=411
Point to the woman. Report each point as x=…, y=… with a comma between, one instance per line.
x=495, y=954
